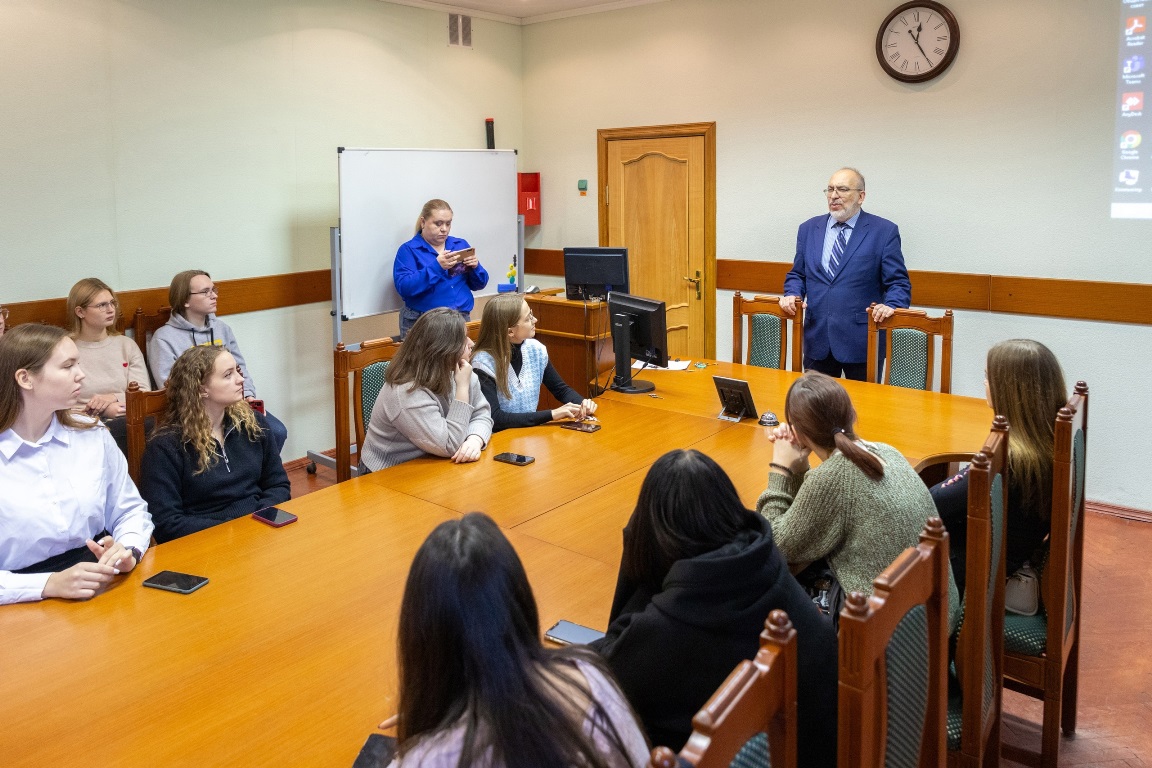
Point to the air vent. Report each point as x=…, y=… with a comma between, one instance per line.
x=459, y=30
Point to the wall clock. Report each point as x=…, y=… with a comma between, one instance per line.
x=917, y=41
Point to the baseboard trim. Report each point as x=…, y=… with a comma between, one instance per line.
x=1115, y=510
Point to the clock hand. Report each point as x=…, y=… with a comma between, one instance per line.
x=921, y=49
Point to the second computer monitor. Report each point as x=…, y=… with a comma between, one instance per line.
x=591, y=273
x=639, y=330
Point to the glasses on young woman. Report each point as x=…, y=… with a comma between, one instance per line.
x=104, y=305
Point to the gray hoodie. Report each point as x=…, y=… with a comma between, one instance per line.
x=179, y=334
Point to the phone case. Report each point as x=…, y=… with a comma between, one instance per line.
x=580, y=426
x=273, y=523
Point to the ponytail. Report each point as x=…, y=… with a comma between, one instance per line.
x=820, y=410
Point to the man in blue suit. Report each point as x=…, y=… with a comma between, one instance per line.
x=845, y=261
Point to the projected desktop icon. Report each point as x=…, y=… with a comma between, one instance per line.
x=1132, y=102
x=1130, y=139
x=1133, y=64
x=1135, y=26
x=1129, y=176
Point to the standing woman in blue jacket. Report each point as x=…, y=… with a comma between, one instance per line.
x=214, y=459
x=430, y=271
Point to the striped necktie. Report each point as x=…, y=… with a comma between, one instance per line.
x=838, y=248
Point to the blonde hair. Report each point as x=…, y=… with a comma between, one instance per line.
x=1026, y=385
x=82, y=295
x=180, y=290
x=186, y=414
x=435, y=204
x=501, y=313
x=28, y=347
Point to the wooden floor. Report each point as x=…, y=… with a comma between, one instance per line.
x=1115, y=664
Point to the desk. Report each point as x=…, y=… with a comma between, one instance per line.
x=287, y=656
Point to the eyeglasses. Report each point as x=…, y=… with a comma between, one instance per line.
x=840, y=190
x=213, y=291
x=104, y=306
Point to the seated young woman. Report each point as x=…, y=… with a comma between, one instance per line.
x=71, y=520
x=700, y=572
x=1023, y=382
x=859, y=509
x=477, y=687
x=431, y=403
x=110, y=361
x=192, y=296
x=512, y=365
x=213, y=458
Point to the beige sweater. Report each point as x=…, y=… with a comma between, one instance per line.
x=108, y=367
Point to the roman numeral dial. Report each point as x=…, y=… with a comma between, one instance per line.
x=917, y=41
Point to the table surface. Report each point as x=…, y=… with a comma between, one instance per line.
x=287, y=656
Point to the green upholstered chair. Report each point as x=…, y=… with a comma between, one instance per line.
x=367, y=366
x=893, y=659
x=1042, y=652
x=768, y=332
x=750, y=722
x=974, y=710
x=911, y=349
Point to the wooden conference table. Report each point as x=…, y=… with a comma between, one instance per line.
x=287, y=656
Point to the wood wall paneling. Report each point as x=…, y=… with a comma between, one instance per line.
x=248, y=294
x=1075, y=299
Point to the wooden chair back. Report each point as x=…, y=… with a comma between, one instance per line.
x=143, y=326
x=1042, y=653
x=767, y=332
x=893, y=661
x=911, y=348
x=974, y=727
x=139, y=404
x=355, y=361
x=752, y=714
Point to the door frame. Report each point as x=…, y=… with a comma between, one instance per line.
x=708, y=131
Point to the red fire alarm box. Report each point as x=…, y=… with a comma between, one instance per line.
x=528, y=195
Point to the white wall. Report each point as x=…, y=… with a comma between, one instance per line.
x=143, y=137
x=1003, y=165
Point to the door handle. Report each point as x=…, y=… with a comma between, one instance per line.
x=696, y=282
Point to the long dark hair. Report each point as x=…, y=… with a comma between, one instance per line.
x=470, y=654
x=687, y=506
x=1026, y=385
x=429, y=353
x=821, y=411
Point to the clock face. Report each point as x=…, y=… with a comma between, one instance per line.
x=917, y=41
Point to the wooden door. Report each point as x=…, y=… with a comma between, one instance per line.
x=657, y=198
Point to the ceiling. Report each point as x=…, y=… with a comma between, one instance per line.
x=525, y=11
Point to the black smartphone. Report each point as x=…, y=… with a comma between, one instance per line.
x=377, y=752
x=567, y=633
x=174, y=581
x=518, y=459
x=581, y=426
x=274, y=516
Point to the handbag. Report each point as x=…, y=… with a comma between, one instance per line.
x=1022, y=592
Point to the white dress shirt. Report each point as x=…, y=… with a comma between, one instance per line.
x=66, y=487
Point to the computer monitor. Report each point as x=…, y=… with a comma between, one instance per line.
x=639, y=330
x=591, y=273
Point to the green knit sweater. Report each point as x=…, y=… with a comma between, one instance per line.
x=860, y=525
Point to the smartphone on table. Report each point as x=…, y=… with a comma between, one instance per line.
x=581, y=426
x=174, y=581
x=274, y=516
x=518, y=459
x=568, y=633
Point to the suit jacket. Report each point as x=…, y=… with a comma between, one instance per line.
x=872, y=270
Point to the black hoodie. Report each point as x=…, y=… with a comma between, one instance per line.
x=672, y=650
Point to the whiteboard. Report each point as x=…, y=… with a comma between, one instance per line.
x=381, y=194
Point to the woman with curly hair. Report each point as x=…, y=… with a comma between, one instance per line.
x=71, y=520
x=214, y=458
